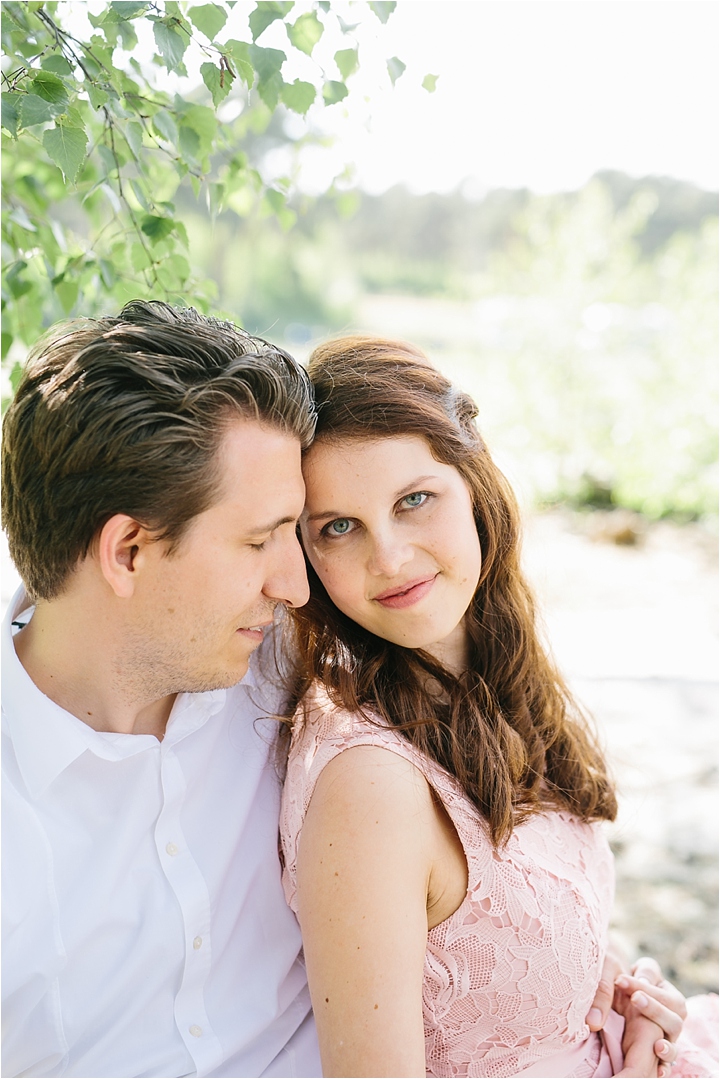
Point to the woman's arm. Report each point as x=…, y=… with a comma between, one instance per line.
x=364, y=865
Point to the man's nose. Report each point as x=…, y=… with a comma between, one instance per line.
x=288, y=582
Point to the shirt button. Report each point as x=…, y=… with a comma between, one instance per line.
x=196, y=1031
x=197, y=943
x=172, y=848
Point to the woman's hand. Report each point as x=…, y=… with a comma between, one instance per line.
x=645, y=995
x=653, y=1009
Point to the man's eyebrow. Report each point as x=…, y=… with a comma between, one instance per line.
x=407, y=489
x=262, y=530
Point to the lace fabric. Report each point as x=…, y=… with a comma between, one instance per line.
x=510, y=976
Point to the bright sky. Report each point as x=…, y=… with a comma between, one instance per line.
x=531, y=93
x=542, y=93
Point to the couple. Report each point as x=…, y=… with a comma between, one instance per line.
x=451, y=884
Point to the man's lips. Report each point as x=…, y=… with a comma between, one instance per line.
x=407, y=594
x=254, y=633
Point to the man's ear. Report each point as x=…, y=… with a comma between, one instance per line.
x=121, y=552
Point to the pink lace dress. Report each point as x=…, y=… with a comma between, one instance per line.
x=511, y=975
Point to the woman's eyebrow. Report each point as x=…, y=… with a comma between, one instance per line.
x=413, y=485
x=322, y=513
x=406, y=489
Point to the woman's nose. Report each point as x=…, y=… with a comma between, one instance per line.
x=388, y=554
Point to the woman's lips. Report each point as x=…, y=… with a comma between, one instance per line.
x=407, y=594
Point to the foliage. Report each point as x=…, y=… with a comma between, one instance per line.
x=586, y=330
x=100, y=145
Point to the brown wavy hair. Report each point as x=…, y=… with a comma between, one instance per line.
x=507, y=728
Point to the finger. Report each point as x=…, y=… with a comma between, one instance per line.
x=648, y=968
x=665, y=993
x=668, y=1020
x=600, y=1007
x=665, y=1051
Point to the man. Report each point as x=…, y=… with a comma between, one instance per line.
x=152, y=484
x=151, y=488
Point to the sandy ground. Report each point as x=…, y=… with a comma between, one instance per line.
x=634, y=628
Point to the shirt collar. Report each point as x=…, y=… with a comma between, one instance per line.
x=47, y=739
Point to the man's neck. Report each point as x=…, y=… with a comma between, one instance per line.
x=73, y=660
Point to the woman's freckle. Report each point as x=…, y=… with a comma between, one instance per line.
x=171, y=610
x=376, y=1007
x=327, y=1000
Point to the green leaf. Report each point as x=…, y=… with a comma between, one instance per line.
x=216, y=198
x=347, y=61
x=96, y=94
x=50, y=87
x=203, y=121
x=139, y=258
x=395, y=68
x=16, y=374
x=66, y=147
x=239, y=51
x=170, y=41
x=306, y=32
x=20, y=217
x=266, y=12
x=72, y=118
x=182, y=235
x=383, y=8
x=108, y=275
x=127, y=9
x=277, y=203
x=156, y=228
x=16, y=283
x=10, y=112
x=429, y=83
x=139, y=193
x=298, y=95
x=189, y=143
x=165, y=126
x=57, y=64
x=67, y=293
x=209, y=19
x=218, y=81
x=134, y=134
x=334, y=91
x=108, y=159
x=7, y=340
x=173, y=272
x=267, y=63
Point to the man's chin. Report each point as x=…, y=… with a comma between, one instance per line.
x=219, y=680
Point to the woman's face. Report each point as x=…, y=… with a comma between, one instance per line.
x=390, y=533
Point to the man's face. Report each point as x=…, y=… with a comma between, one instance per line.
x=199, y=612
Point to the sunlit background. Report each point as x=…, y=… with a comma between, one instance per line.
x=534, y=201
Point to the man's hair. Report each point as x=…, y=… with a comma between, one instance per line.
x=125, y=415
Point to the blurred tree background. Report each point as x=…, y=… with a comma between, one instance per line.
x=584, y=323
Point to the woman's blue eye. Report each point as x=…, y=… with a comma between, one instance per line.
x=339, y=527
x=415, y=499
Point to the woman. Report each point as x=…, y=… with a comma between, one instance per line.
x=451, y=884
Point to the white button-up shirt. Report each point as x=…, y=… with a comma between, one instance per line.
x=145, y=929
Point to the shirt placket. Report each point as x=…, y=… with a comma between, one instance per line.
x=188, y=884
